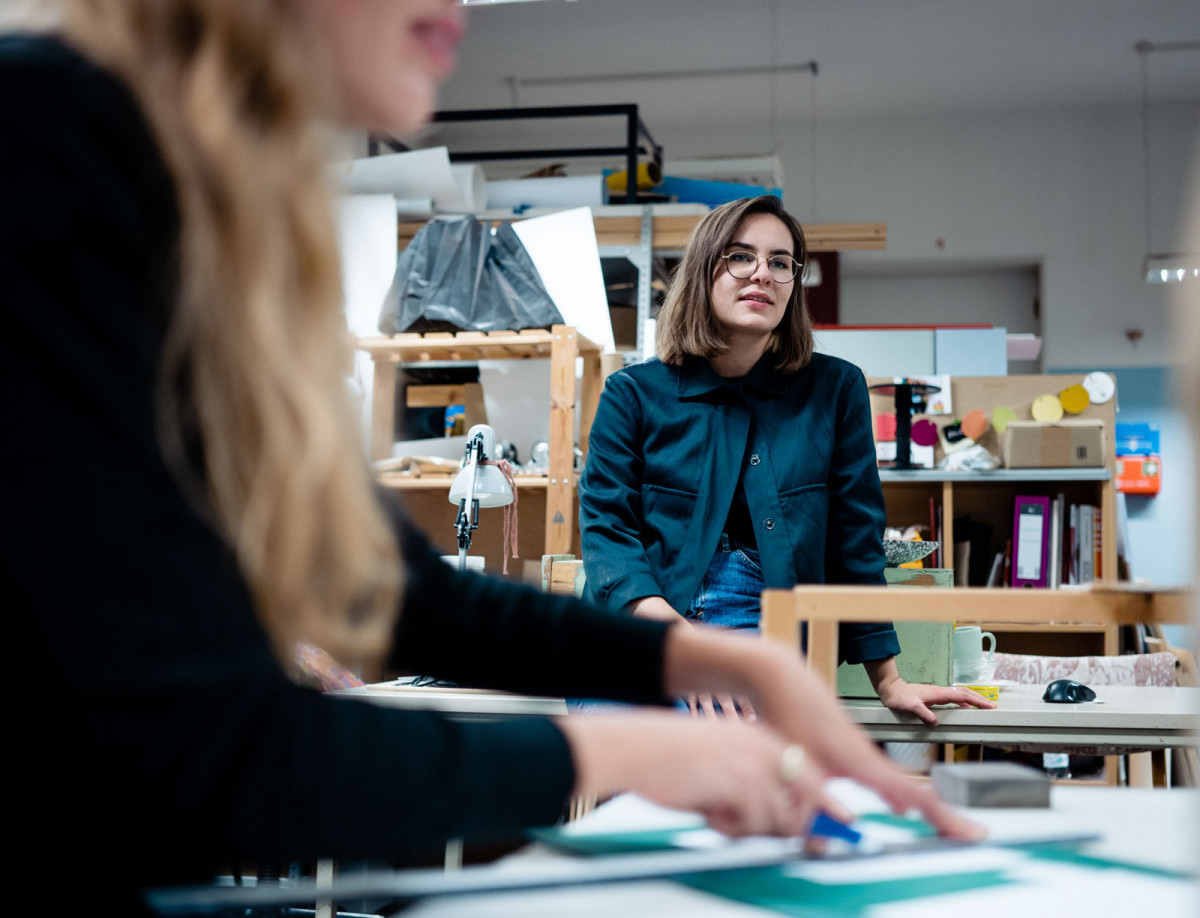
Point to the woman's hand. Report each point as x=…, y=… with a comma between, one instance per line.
x=802, y=709
x=915, y=698
x=699, y=703
x=721, y=705
x=744, y=779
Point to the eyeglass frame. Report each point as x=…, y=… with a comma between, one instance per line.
x=762, y=258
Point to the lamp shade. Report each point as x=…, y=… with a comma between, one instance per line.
x=491, y=488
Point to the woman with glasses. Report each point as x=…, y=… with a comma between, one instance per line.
x=739, y=459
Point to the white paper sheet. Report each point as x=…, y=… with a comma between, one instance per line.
x=563, y=248
x=659, y=898
x=367, y=240
x=905, y=866
x=420, y=174
x=1049, y=888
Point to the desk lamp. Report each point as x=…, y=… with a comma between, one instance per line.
x=477, y=485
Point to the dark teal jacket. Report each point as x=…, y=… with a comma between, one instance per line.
x=663, y=461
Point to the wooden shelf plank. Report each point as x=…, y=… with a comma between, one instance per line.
x=442, y=482
x=671, y=233
x=1105, y=604
x=528, y=344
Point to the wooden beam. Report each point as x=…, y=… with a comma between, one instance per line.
x=1111, y=604
x=671, y=233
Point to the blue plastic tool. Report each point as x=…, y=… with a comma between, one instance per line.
x=826, y=825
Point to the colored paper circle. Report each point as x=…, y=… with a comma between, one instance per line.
x=885, y=426
x=1001, y=416
x=1047, y=408
x=975, y=424
x=1074, y=399
x=1099, y=387
x=924, y=432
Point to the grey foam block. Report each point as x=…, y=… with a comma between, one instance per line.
x=991, y=784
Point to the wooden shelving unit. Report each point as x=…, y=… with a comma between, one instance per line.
x=988, y=497
x=671, y=232
x=561, y=345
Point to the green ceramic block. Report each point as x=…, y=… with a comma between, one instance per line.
x=925, y=647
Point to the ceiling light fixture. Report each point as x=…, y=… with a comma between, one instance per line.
x=1172, y=269
x=1160, y=268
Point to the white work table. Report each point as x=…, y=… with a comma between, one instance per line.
x=1136, y=852
x=1151, y=832
x=1145, y=717
x=463, y=703
x=1123, y=716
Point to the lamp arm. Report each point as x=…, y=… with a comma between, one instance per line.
x=465, y=523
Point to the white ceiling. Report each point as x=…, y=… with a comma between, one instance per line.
x=875, y=57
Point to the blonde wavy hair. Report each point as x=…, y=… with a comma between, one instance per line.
x=258, y=352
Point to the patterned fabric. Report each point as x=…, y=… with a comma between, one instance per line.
x=1131, y=669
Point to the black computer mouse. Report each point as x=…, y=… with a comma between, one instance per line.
x=1064, y=691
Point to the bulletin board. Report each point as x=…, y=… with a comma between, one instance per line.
x=986, y=393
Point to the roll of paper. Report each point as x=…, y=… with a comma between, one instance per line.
x=420, y=174
x=414, y=207
x=472, y=186
x=560, y=191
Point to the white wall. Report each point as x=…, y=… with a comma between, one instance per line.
x=1062, y=189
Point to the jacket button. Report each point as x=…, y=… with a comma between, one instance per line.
x=754, y=460
x=769, y=523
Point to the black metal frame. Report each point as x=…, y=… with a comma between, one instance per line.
x=635, y=132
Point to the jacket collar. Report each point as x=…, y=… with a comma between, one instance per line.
x=697, y=378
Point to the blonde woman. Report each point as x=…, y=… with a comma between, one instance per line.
x=184, y=500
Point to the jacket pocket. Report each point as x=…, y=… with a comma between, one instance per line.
x=666, y=518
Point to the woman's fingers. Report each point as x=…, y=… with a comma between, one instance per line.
x=903, y=793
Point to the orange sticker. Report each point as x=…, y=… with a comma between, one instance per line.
x=975, y=424
x=885, y=426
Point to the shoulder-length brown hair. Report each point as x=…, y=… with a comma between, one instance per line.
x=686, y=325
x=258, y=350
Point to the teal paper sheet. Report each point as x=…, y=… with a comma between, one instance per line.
x=770, y=888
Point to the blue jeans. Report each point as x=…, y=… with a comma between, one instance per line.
x=730, y=593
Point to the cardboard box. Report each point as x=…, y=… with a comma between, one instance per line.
x=1054, y=445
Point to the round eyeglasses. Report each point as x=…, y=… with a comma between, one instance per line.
x=742, y=265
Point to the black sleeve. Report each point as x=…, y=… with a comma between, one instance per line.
x=484, y=631
x=153, y=683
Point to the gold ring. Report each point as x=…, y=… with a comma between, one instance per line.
x=791, y=763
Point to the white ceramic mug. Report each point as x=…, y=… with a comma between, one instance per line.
x=969, y=656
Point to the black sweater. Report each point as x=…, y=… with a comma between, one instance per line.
x=150, y=725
